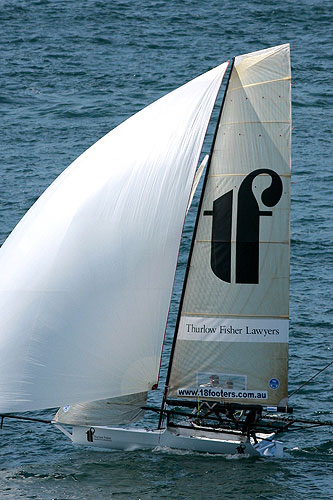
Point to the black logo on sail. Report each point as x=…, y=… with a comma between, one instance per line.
x=247, y=231
x=90, y=434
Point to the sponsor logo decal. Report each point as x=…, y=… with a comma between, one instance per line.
x=209, y=392
x=90, y=434
x=274, y=383
x=265, y=330
x=247, y=231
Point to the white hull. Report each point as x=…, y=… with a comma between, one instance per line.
x=174, y=437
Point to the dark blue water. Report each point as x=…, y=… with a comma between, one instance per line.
x=71, y=71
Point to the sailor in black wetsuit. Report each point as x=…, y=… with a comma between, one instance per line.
x=251, y=419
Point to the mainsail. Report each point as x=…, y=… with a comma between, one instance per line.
x=86, y=277
x=232, y=333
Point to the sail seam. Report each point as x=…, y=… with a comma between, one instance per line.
x=286, y=78
x=234, y=241
x=187, y=313
x=260, y=122
x=243, y=175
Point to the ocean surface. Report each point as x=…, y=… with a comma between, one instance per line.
x=70, y=72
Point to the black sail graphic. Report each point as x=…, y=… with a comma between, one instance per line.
x=247, y=239
x=248, y=219
x=221, y=236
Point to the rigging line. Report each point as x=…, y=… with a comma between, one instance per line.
x=311, y=378
x=20, y=417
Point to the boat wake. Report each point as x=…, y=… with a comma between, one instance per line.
x=323, y=450
x=178, y=452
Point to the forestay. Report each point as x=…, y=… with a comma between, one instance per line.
x=87, y=275
x=232, y=338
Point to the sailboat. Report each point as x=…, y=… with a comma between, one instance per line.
x=87, y=275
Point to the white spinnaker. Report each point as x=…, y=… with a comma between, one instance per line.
x=86, y=276
x=239, y=330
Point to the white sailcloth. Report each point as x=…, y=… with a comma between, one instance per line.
x=86, y=276
x=114, y=411
x=196, y=181
x=232, y=340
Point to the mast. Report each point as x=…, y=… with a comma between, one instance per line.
x=191, y=250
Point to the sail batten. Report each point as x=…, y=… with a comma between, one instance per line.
x=288, y=176
x=232, y=335
x=286, y=79
x=227, y=315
